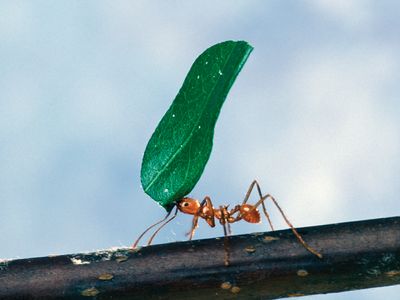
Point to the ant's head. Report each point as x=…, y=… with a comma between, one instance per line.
x=188, y=206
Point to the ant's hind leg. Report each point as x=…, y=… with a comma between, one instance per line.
x=246, y=198
x=267, y=215
x=263, y=206
x=298, y=236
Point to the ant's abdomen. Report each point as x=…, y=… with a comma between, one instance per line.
x=250, y=214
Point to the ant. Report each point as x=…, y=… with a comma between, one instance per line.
x=209, y=213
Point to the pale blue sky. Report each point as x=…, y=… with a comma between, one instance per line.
x=314, y=115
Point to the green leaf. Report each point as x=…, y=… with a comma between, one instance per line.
x=179, y=148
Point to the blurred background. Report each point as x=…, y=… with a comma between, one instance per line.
x=313, y=116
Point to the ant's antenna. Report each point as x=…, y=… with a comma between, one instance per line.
x=155, y=233
x=144, y=232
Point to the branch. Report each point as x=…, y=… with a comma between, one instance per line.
x=268, y=265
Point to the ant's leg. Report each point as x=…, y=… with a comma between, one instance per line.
x=226, y=227
x=194, y=226
x=246, y=198
x=263, y=205
x=144, y=232
x=209, y=218
x=227, y=252
x=155, y=233
x=298, y=236
x=229, y=228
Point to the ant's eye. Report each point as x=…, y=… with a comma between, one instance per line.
x=185, y=204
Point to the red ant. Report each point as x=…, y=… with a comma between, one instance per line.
x=206, y=211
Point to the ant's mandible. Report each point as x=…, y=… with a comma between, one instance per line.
x=210, y=214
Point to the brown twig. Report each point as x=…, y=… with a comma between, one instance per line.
x=268, y=265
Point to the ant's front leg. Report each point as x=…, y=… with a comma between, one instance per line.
x=205, y=211
x=194, y=226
